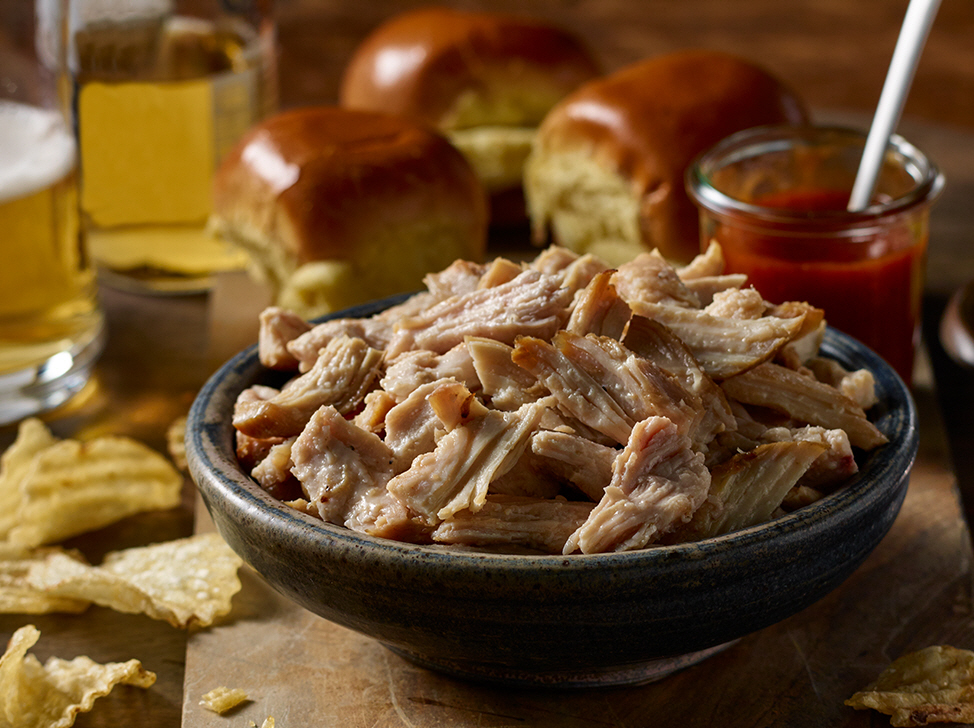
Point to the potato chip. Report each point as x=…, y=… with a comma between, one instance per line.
x=223, y=699
x=176, y=442
x=56, y=489
x=932, y=685
x=52, y=695
x=17, y=596
x=190, y=581
x=32, y=437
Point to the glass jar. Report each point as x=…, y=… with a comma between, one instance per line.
x=51, y=324
x=163, y=89
x=775, y=199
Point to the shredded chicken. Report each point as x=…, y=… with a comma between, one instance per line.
x=859, y=386
x=805, y=400
x=648, y=278
x=415, y=368
x=251, y=450
x=344, y=471
x=723, y=346
x=599, y=309
x=506, y=385
x=500, y=271
x=274, y=472
x=376, y=331
x=557, y=406
x=529, y=477
x=531, y=304
x=585, y=464
x=748, y=488
x=411, y=427
x=705, y=265
x=342, y=375
x=836, y=464
x=636, y=384
x=372, y=416
x=553, y=260
x=543, y=525
x=458, y=278
x=577, y=392
x=737, y=303
x=582, y=272
x=657, y=482
x=481, y=446
x=706, y=288
x=658, y=344
x=278, y=327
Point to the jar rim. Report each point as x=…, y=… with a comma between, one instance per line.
x=928, y=179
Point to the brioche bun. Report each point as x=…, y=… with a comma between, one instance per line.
x=337, y=207
x=606, y=173
x=485, y=80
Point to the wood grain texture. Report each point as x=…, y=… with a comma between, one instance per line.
x=835, y=52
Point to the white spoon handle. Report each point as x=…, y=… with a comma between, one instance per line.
x=916, y=25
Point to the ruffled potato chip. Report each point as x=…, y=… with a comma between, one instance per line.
x=190, y=581
x=53, y=489
x=176, y=442
x=52, y=695
x=223, y=699
x=32, y=437
x=17, y=596
x=932, y=685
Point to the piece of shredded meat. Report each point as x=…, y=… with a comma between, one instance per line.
x=342, y=375
x=748, y=488
x=479, y=446
x=657, y=482
x=577, y=392
x=531, y=304
x=279, y=327
x=344, y=471
x=599, y=309
x=804, y=399
x=533, y=523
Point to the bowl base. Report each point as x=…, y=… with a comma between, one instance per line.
x=640, y=673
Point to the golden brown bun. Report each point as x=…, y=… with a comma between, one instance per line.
x=337, y=207
x=618, y=148
x=485, y=80
x=454, y=69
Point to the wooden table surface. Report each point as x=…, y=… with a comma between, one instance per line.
x=915, y=590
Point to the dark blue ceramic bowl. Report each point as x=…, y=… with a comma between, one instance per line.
x=604, y=619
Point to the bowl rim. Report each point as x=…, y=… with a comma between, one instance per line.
x=209, y=432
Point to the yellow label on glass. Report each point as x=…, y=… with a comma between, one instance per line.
x=148, y=155
x=146, y=152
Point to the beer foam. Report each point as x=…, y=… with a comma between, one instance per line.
x=36, y=149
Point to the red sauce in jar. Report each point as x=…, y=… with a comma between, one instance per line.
x=869, y=283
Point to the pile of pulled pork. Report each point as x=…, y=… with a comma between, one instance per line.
x=557, y=406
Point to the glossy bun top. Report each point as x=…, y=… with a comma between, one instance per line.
x=454, y=69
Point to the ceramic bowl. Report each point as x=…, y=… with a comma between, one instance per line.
x=608, y=619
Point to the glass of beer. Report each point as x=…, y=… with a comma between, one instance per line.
x=51, y=326
x=164, y=89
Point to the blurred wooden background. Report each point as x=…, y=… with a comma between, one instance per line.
x=834, y=52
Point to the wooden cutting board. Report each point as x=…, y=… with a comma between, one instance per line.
x=913, y=591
